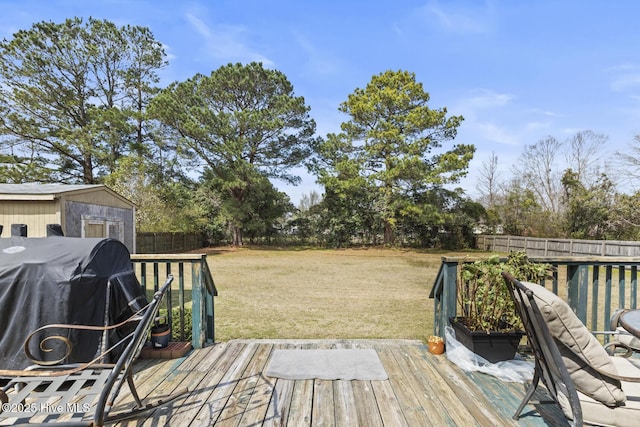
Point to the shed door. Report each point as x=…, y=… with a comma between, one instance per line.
x=116, y=229
x=94, y=229
x=102, y=227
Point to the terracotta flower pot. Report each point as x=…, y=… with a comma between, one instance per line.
x=435, y=345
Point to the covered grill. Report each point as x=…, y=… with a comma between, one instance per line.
x=79, y=281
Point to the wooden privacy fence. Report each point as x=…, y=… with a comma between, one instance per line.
x=594, y=287
x=535, y=246
x=165, y=243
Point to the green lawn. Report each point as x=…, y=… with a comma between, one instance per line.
x=298, y=294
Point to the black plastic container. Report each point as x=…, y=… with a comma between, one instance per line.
x=493, y=346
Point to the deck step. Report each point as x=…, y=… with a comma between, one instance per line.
x=172, y=351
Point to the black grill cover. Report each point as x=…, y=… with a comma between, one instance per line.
x=64, y=280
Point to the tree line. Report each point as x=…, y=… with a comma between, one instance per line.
x=80, y=102
x=562, y=189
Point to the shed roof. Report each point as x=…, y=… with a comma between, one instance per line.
x=33, y=191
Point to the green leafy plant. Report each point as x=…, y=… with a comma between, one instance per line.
x=484, y=300
x=175, y=322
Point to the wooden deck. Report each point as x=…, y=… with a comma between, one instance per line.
x=227, y=387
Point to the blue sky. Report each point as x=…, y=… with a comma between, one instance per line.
x=518, y=71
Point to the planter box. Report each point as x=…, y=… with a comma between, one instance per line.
x=493, y=346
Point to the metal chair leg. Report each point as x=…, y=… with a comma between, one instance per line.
x=132, y=387
x=527, y=397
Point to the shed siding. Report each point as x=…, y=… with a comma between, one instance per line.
x=100, y=197
x=76, y=211
x=82, y=211
x=36, y=214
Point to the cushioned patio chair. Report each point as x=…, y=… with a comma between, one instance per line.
x=626, y=325
x=80, y=394
x=590, y=386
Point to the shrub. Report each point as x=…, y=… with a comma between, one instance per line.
x=175, y=323
x=484, y=299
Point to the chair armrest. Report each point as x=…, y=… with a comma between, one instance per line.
x=135, y=317
x=612, y=346
x=628, y=369
x=56, y=367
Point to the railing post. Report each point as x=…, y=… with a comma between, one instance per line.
x=143, y=276
x=607, y=291
x=210, y=286
x=554, y=280
x=169, y=298
x=594, y=297
x=181, y=298
x=577, y=286
x=210, y=336
x=621, y=287
x=634, y=287
x=197, y=306
x=445, y=295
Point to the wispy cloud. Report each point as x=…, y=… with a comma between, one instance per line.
x=168, y=51
x=485, y=98
x=570, y=130
x=495, y=117
x=546, y=113
x=620, y=67
x=468, y=20
x=226, y=43
x=199, y=26
x=626, y=82
x=624, y=77
x=320, y=61
x=477, y=103
x=476, y=106
x=495, y=133
x=536, y=126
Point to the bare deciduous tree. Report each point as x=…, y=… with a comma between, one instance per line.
x=309, y=200
x=488, y=181
x=585, y=152
x=630, y=159
x=540, y=171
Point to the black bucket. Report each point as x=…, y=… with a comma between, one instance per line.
x=160, y=335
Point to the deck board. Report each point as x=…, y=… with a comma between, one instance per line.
x=227, y=387
x=345, y=408
x=388, y=404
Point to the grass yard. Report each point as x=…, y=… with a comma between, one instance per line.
x=313, y=293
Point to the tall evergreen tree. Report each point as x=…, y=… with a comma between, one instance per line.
x=393, y=143
x=75, y=92
x=243, y=123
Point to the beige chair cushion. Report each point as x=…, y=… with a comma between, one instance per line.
x=585, y=358
x=627, y=415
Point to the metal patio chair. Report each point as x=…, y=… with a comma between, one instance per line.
x=80, y=394
x=590, y=386
x=626, y=325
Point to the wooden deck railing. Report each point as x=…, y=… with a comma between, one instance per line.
x=594, y=287
x=194, y=286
